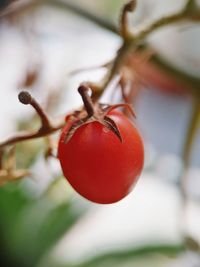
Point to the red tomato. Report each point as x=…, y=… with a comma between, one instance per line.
x=97, y=165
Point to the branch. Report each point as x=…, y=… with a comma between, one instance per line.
x=192, y=130
x=46, y=128
x=184, y=14
x=194, y=123
x=135, y=40
x=23, y=136
x=26, y=99
x=189, y=140
x=129, y=7
x=190, y=4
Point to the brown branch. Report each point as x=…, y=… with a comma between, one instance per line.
x=129, y=7
x=23, y=136
x=188, y=13
x=135, y=39
x=26, y=99
x=46, y=128
x=90, y=68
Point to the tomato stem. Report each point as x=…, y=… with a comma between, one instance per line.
x=89, y=107
x=26, y=99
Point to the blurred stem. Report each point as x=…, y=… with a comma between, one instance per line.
x=194, y=122
x=133, y=42
x=83, y=13
x=128, y=7
x=191, y=4
x=1, y=158
x=189, y=12
x=193, y=126
x=190, y=137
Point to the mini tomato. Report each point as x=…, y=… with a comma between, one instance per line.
x=101, y=163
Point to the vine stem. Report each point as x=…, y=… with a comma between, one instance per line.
x=186, y=156
x=1, y=158
x=46, y=126
x=190, y=137
x=128, y=7
x=134, y=40
x=26, y=99
x=190, y=4
x=130, y=42
x=23, y=136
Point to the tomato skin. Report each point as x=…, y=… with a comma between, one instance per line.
x=97, y=165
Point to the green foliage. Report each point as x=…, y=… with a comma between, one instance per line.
x=31, y=149
x=29, y=228
x=129, y=256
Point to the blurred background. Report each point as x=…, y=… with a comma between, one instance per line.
x=43, y=222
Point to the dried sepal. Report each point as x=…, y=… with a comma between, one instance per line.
x=106, y=121
x=111, y=125
x=93, y=112
x=75, y=125
x=124, y=105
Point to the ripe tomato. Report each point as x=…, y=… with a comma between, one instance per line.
x=97, y=165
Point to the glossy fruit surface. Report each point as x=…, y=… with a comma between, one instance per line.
x=97, y=165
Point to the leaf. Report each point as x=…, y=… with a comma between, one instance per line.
x=29, y=228
x=121, y=257
x=39, y=227
x=12, y=201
